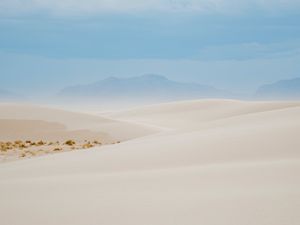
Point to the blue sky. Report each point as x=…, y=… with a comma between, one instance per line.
x=230, y=44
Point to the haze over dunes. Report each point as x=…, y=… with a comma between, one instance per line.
x=237, y=160
x=120, y=92
x=283, y=89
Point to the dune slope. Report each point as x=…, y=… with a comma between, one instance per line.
x=208, y=162
x=28, y=119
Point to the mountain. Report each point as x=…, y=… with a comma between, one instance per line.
x=8, y=96
x=281, y=90
x=154, y=88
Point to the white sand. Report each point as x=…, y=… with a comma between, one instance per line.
x=47, y=123
x=213, y=162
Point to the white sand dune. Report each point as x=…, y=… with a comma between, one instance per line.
x=212, y=162
x=38, y=122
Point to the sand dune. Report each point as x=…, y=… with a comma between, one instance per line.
x=196, y=162
x=56, y=120
x=189, y=113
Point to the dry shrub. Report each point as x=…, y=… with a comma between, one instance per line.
x=41, y=143
x=87, y=145
x=5, y=146
x=70, y=142
x=21, y=146
x=18, y=142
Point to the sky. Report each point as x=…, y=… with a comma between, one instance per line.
x=236, y=45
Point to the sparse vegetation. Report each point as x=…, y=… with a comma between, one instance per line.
x=21, y=146
x=88, y=145
x=30, y=148
x=18, y=142
x=97, y=142
x=41, y=143
x=70, y=142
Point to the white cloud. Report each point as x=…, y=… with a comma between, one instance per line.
x=63, y=7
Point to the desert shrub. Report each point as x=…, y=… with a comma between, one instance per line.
x=87, y=145
x=41, y=143
x=9, y=143
x=18, y=142
x=70, y=142
x=22, y=146
x=3, y=148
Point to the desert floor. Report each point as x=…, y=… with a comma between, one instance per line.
x=210, y=162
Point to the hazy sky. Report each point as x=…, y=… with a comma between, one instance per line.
x=232, y=44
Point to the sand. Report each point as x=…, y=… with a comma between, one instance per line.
x=212, y=162
x=54, y=127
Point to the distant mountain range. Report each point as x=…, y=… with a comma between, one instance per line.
x=280, y=90
x=9, y=96
x=153, y=88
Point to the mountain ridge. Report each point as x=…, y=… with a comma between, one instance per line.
x=6, y=95
x=149, y=86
